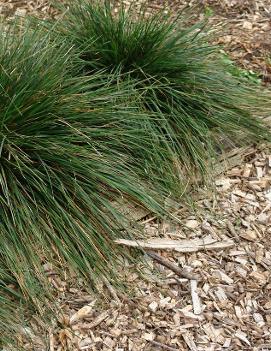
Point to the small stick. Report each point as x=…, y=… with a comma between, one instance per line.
x=163, y=346
x=111, y=290
x=233, y=231
x=173, y=267
x=148, y=220
x=96, y=321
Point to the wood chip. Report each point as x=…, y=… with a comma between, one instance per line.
x=197, y=308
x=149, y=336
x=249, y=235
x=189, y=341
x=83, y=312
x=192, y=224
x=223, y=277
x=242, y=336
x=153, y=306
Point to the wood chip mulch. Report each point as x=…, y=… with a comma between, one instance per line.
x=227, y=306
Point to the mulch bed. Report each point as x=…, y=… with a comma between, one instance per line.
x=220, y=298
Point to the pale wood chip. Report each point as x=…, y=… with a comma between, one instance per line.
x=83, y=312
x=242, y=336
x=249, y=235
x=85, y=343
x=109, y=342
x=221, y=295
x=223, y=276
x=192, y=224
x=189, y=341
x=197, y=308
x=149, y=336
x=259, y=172
x=247, y=170
x=153, y=306
x=258, y=318
x=186, y=312
x=227, y=343
x=244, y=195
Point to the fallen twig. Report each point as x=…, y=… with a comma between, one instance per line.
x=173, y=267
x=194, y=245
x=163, y=346
x=111, y=291
x=98, y=320
x=232, y=231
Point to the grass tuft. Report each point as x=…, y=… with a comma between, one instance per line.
x=183, y=82
x=69, y=154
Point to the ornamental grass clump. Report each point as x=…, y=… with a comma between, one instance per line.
x=181, y=79
x=70, y=153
